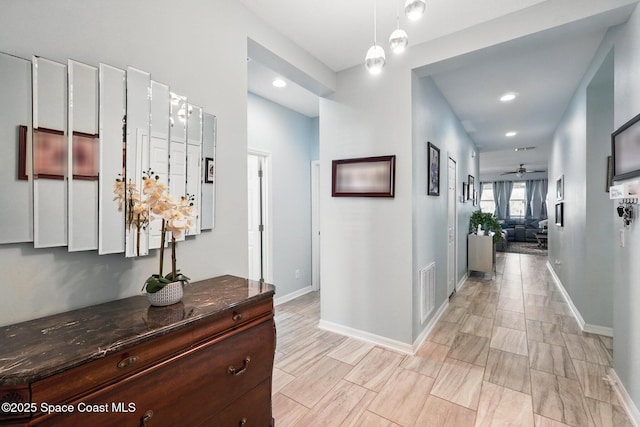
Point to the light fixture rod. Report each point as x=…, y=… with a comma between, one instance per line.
x=375, y=22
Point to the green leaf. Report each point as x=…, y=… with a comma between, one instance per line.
x=154, y=283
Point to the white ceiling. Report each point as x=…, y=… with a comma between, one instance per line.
x=544, y=69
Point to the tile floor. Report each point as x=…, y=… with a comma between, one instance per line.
x=505, y=352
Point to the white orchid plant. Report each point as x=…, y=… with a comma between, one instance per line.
x=177, y=216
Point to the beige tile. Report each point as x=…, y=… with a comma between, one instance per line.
x=510, y=319
x=336, y=406
x=353, y=419
x=441, y=413
x=453, y=314
x=607, y=415
x=459, y=382
x=559, y=398
x=477, y=325
x=351, y=351
x=541, y=421
x=510, y=340
x=470, y=349
x=569, y=325
x=587, y=348
x=541, y=314
x=287, y=411
x=299, y=361
x=375, y=368
x=369, y=419
x=509, y=370
x=511, y=304
x=309, y=387
x=549, y=333
x=501, y=406
x=428, y=359
x=402, y=397
x=552, y=359
x=594, y=381
x=280, y=379
x=444, y=332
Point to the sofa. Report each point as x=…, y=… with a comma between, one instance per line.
x=522, y=229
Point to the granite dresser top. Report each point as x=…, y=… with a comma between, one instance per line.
x=38, y=348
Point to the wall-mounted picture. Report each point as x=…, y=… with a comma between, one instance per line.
x=560, y=188
x=625, y=149
x=85, y=156
x=471, y=188
x=364, y=177
x=475, y=198
x=49, y=154
x=433, y=162
x=22, y=153
x=609, y=173
x=209, y=170
x=560, y=214
x=464, y=192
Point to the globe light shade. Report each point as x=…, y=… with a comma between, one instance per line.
x=398, y=41
x=414, y=9
x=375, y=59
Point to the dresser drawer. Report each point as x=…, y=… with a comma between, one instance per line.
x=251, y=410
x=185, y=389
x=72, y=383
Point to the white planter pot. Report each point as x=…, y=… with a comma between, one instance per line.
x=170, y=294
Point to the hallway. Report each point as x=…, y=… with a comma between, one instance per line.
x=505, y=352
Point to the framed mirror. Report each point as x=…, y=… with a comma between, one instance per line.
x=159, y=148
x=178, y=147
x=194, y=162
x=49, y=153
x=137, y=161
x=112, y=111
x=207, y=211
x=83, y=157
x=16, y=197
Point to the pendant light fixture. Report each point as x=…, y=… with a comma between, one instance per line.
x=375, y=59
x=414, y=9
x=398, y=40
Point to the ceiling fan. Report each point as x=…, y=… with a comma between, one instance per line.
x=520, y=171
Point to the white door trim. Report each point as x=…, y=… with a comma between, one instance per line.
x=267, y=212
x=455, y=224
x=315, y=225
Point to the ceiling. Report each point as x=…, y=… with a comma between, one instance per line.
x=544, y=69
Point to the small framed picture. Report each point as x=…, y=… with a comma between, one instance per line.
x=464, y=192
x=49, y=154
x=364, y=177
x=475, y=198
x=560, y=188
x=433, y=168
x=471, y=188
x=209, y=170
x=609, y=173
x=560, y=214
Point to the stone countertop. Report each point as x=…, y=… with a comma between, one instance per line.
x=38, y=348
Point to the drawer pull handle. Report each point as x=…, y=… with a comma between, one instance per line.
x=146, y=417
x=237, y=317
x=125, y=363
x=243, y=421
x=233, y=371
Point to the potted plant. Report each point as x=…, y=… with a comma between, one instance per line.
x=177, y=216
x=488, y=222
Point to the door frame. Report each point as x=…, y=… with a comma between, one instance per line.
x=455, y=224
x=315, y=225
x=267, y=243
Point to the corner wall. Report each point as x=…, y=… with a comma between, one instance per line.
x=289, y=137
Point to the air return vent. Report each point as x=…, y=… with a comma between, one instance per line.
x=427, y=291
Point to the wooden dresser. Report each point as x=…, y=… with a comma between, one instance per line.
x=207, y=360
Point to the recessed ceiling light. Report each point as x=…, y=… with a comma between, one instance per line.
x=509, y=96
x=525, y=148
x=510, y=134
x=279, y=83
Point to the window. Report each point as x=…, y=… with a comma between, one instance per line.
x=487, y=204
x=518, y=201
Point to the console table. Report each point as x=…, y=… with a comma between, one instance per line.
x=207, y=360
x=481, y=253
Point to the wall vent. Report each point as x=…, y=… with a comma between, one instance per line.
x=427, y=291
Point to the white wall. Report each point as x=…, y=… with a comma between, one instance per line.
x=434, y=121
x=200, y=49
x=289, y=137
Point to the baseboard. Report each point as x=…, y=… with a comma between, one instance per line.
x=462, y=281
x=630, y=408
x=292, y=295
x=374, y=339
x=432, y=323
x=585, y=327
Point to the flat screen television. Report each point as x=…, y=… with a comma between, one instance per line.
x=625, y=150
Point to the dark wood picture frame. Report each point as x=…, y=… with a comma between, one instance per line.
x=560, y=214
x=625, y=150
x=609, y=172
x=465, y=190
x=363, y=177
x=209, y=170
x=86, y=156
x=433, y=170
x=470, y=187
x=22, y=153
x=49, y=154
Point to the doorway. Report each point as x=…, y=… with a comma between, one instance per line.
x=452, y=231
x=259, y=233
